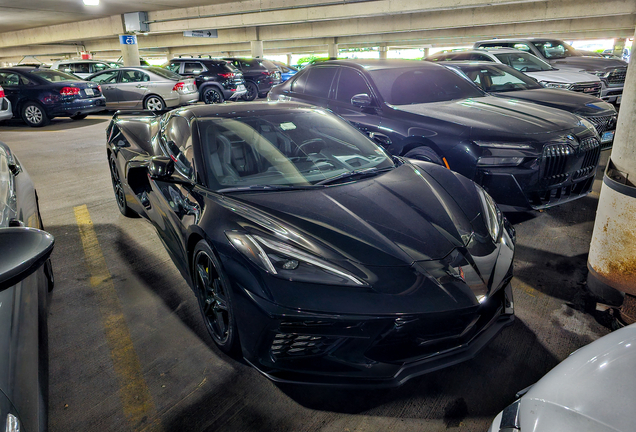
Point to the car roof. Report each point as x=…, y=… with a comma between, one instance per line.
x=82, y=61
x=20, y=68
x=377, y=64
x=518, y=39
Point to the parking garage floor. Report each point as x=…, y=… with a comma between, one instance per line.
x=129, y=351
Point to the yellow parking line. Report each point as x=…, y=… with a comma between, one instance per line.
x=137, y=402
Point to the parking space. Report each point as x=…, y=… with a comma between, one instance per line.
x=129, y=350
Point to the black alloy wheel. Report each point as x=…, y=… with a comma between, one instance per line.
x=118, y=188
x=215, y=298
x=424, y=153
x=252, y=91
x=34, y=115
x=212, y=95
x=79, y=117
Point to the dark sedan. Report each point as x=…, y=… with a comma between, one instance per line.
x=38, y=95
x=26, y=278
x=526, y=156
x=506, y=82
x=312, y=252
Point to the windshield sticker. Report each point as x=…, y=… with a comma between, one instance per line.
x=287, y=126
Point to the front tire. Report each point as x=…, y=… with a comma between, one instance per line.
x=34, y=115
x=252, y=91
x=118, y=188
x=212, y=95
x=154, y=103
x=214, y=295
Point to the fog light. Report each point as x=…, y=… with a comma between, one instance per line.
x=291, y=264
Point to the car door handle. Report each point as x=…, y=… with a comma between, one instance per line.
x=140, y=86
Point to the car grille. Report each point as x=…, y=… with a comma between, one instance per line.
x=617, y=76
x=287, y=345
x=591, y=88
x=604, y=124
x=557, y=158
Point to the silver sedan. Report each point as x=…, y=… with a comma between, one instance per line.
x=150, y=88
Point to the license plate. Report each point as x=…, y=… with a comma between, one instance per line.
x=618, y=100
x=89, y=92
x=607, y=136
x=240, y=87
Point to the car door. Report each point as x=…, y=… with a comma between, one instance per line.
x=132, y=87
x=10, y=82
x=349, y=83
x=108, y=82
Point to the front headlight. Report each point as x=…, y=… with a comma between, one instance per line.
x=496, y=154
x=288, y=262
x=557, y=85
x=493, y=218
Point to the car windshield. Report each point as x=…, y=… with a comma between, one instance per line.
x=524, y=62
x=55, y=76
x=164, y=73
x=405, y=86
x=498, y=78
x=285, y=149
x=554, y=49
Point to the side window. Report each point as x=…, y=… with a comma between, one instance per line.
x=480, y=57
x=106, y=77
x=26, y=81
x=80, y=68
x=98, y=67
x=174, y=67
x=131, y=76
x=522, y=47
x=9, y=79
x=319, y=81
x=195, y=67
x=351, y=83
x=177, y=137
x=298, y=86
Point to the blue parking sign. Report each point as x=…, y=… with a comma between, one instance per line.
x=128, y=40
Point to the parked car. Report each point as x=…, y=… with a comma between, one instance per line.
x=217, y=80
x=287, y=71
x=260, y=76
x=525, y=155
x=561, y=55
x=503, y=81
x=593, y=390
x=150, y=88
x=530, y=65
x=38, y=95
x=5, y=106
x=26, y=277
x=312, y=252
x=84, y=68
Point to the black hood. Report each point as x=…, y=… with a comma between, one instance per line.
x=393, y=219
x=496, y=118
x=588, y=63
x=574, y=102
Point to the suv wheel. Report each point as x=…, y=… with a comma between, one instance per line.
x=252, y=91
x=212, y=95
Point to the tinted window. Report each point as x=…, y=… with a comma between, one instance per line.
x=499, y=78
x=298, y=85
x=523, y=62
x=350, y=83
x=106, y=77
x=480, y=57
x=54, y=76
x=9, y=79
x=406, y=86
x=163, y=73
x=79, y=67
x=129, y=76
x=98, y=67
x=268, y=64
x=554, y=49
x=319, y=81
x=190, y=68
x=173, y=67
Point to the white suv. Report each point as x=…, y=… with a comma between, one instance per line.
x=83, y=68
x=530, y=65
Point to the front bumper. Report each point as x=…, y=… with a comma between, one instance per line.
x=292, y=346
x=77, y=107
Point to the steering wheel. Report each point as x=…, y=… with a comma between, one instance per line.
x=524, y=69
x=317, y=141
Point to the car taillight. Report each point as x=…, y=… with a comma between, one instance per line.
x=179, y=86
x=1, y=92
x=226, y=75
x=99, y=88
x=266, y=73
x=69, y=91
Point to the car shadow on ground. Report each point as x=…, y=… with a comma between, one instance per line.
x=57, y=125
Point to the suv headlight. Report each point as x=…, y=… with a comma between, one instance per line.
x=288, y=262
x=493, y=218
x=558, y=85
x=497, y=157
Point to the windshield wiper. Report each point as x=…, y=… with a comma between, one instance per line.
x=355, y=173
x=257, y=187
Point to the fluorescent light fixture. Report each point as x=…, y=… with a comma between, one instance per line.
x=91, y=2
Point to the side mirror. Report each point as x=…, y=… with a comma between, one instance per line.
x=24, y=250
x=381, y=139
x=361, y=100
x=161, y=167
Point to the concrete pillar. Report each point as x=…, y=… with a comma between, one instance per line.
x=289, y=58
x=383, y=52
x=257, y=48
x=612, y=258
x=426, y=52
x=129, y=50
x=619, y=45
x=332, y=49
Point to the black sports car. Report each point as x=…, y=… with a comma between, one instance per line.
x=526, y=156
x=312, y=251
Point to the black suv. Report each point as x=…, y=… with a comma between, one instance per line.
x=527, y=156
x=217, y=80
x=260, y=76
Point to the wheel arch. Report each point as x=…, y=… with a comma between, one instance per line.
x=205, y=86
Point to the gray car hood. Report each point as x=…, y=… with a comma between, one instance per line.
x=592, y=390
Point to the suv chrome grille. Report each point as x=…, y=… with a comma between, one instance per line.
x=591, y=88
x=617, y=76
